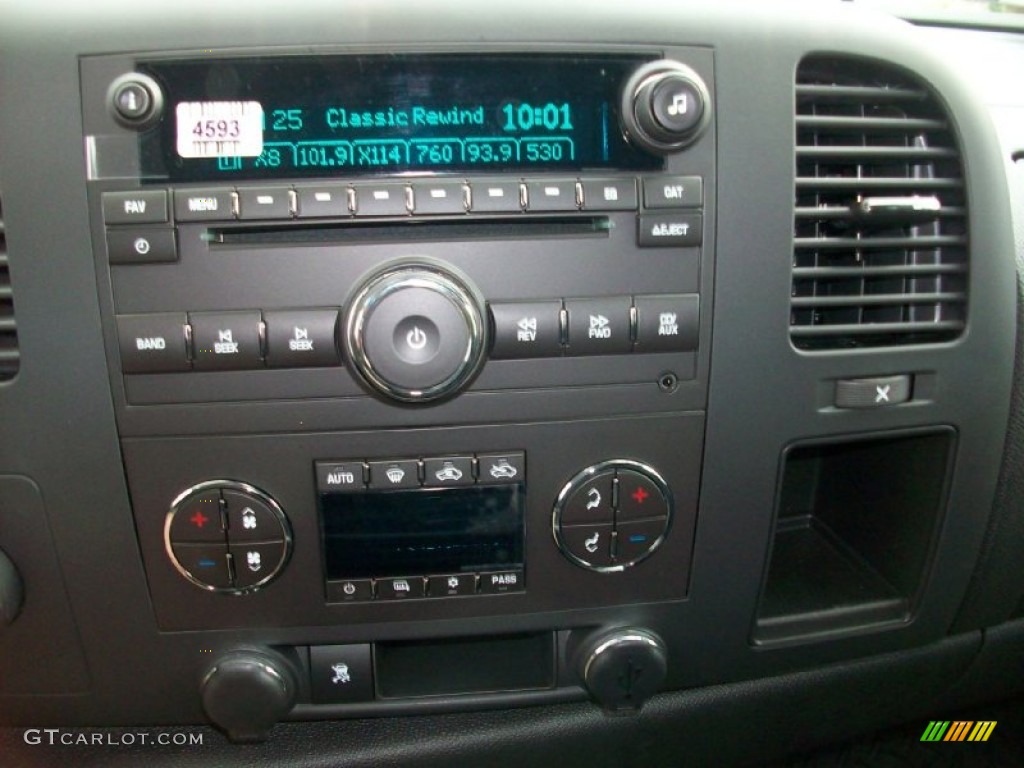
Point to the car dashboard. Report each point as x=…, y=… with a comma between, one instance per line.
x=390, y=383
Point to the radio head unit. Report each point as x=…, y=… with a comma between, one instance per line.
x=296, y=116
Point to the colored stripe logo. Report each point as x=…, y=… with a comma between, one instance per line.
x=958, y=730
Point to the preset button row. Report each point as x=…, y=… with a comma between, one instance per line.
x=390, y=198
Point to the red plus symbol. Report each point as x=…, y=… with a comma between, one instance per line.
x=199, y=519
x=639, y=495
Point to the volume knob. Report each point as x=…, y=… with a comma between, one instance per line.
x=415, y=332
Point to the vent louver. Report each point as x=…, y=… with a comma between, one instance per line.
x=880, y=226
x=8, y=329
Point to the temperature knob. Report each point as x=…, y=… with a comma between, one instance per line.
x=665, y=106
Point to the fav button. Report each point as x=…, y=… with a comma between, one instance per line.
x=141, y=207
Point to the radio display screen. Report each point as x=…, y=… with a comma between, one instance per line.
x=299, y=116
x=422, y=532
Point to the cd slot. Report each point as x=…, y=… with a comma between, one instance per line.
x=353, y=232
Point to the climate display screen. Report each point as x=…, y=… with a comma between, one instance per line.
x=267, y=118
x=402, y=533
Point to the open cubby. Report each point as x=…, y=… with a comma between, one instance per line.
x=854, y=533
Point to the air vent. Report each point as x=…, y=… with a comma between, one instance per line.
x=880, y=228
x=8, y=330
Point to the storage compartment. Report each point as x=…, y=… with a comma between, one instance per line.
x=854, y=533
x=476, y=665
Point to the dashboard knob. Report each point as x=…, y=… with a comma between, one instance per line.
x=247, y=692
x=415, y=332
x=622, y=669
x=665, y=106
x=12, y=591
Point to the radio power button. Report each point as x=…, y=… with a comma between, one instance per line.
x=416, y=332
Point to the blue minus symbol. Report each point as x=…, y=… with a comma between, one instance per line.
x=637, y=538
x=207, y=563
